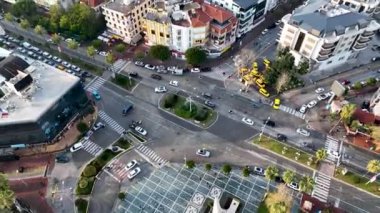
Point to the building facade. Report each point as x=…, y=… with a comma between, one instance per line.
x=157, y=25
x=125, y=18
x=368, y=7
x=326, y=37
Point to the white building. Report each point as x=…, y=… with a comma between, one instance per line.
x=271, y=4
x=326, y=37
x=361, y=6
x=249, y=12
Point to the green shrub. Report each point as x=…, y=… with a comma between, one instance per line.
x=82, y=127
x=226, y=169
x=356, y=179
x=89, y=171
x=371, y=81
x=83, y=182
x=190, y=164
x=357, y=86
x=170, y=100
x=201, y=114
x=120, y=48
x=208, y=167
x=139, y=55
x=123, y=143
x=245, y=172
x=96, y=43
x=81, y=205
x=121, y=195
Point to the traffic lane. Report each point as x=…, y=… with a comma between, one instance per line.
x=148, y=93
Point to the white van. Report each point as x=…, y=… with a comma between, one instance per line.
x=26, y=45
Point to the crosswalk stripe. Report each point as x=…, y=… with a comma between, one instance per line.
x=292, y=111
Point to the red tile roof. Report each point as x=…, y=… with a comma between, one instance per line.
x=317, y=206
x=364, y=117
x=199, y=18
x=216, y=12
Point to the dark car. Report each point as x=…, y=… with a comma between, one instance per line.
x=269, y=123
x=346, y=82
x=155, y=76
x=62, y=159
x=281, y=137
x=207, y=95
x=272, y=26
x=206, y=69
x=134, y=74
x=127, y=109
x=210, y=104
x=86, y=74
x=278, y=179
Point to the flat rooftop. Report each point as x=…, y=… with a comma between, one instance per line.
x=50, y=83
x=123, y=6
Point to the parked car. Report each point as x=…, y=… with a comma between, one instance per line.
x=149, y=67
x=322, y=97
x=247, y=121
x=140, y=130
x=134, y=172
x=319, y=90
x=102, y=53
x=173, y=83
x=55, y=58
x=311, y=104
x=210, y=104
x=269, y=123
x=139, y=63
x=85, y=74
x=155, y=76
x=195, y=69
x=264, y=32
x=282, y=137
x=130, y=165
x=76, y=147
x=264, y=92
x=303, y=109
x=259, y=171
x=98, y=126
x=346, y=82
x=160, y=89
x=303, y=132
x=203, y=152
x=276, y=103
x=207, y=95
x=172, y=68
x=293, y=185
x=62, y=159
x=206, y=69
x=75, y=68
x=96, y=95
x=134, y=74
x=272, y=26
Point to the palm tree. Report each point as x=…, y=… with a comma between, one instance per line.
x=208, y=167
x=306, y=184
x=39, y=29
x=55, y=38
x=279, y=207
x=7, y=196
x=321, y=154
x=373, y=166
x=270, y=173
x=288, y=176
x=72, y=44
x=347, y=112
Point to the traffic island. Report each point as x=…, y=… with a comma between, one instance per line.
x=187, y=109
x=123, y=81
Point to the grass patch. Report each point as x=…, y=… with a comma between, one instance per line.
x=85, y=190
x=290, y=153
x=124, y=81
x=81, y=205
x=182, y=109
x=136, y=136
x=123, y=143
x=359, y=181
x=263, y=208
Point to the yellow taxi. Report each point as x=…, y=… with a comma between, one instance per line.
x=276, y=103
x=266, y=62
x=264, y=92
x=260, y=83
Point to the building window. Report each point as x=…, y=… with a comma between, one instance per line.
x=291, y=31
x=161, y=34
x=339, y=52
x=167, y=36
x=329, y=62
x=341, y=58
x=310, y=40
x=153, y=32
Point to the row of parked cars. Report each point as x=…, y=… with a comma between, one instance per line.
x=322, y=95
x=172, y=69
x=261, y=172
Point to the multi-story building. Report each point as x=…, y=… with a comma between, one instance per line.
x=37, y=101
x=125, y=18
x=157, y=25
x=360, y=6
x=249, y=12
x=326, y=37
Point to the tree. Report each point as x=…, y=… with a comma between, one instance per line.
x=8, y=16
x=7, y=196
x=190, y=164
x=97, y=43
x=371, y=81
x=303, y=67
x=281, y=81
x=121, y=195
x=321, y=154
x=24, y=24
x=139, y=55
x=195, y=56
x=306, y=184
x=56, y=38
x=347, y=112
x=245, y=171
x=288, y=176
x=83, y=182
x=226, y=169
x=160, y=52
x=91, y=51
x=82, y=127
x=373, y=166
x=208, y=167
x=279, y=207
x=271, y=172
x=39, y=29
x=24, y=8
x=110, y=58
x=120, y=48
x=72, y=44
x=64, y=22
x=89, y=171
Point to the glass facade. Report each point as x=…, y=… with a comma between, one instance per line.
x=50, y=124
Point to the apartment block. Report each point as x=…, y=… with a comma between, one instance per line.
x=327, y=36
x=125, y=18
x=157, y=25
x=368, y=7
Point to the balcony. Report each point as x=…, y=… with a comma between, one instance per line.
x=367, y=34
x=325, y=52
x=328, y=46
x=363, y=40
x=324, y=58
x=359, y=47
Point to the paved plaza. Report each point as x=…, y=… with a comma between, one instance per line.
x=177, y=189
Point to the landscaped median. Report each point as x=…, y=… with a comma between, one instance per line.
x=123, y=81
x=88, y=176
x=286, y=151
x=188, y=109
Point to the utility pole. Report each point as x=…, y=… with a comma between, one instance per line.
x=263, y=128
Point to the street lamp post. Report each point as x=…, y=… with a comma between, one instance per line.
x=263, y=128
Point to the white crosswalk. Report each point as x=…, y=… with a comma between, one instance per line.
x=332, y=144
x=92, y=148
x=118, y=170
x=292, y=111
x=151, y=155
x=322, y=187
x=111, y=122
x=95, y=84
x=119, y=65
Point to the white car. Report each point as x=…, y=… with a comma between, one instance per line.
x=172, y=68
x=173, y=83
x=203, y=152
x=160, y=89
x=195, y=69
x=264, y=32
x=102, y=53
x=335, y=154
x=259, y=171
x=75, y=68
x=303, y=132
x=311, y=104
x=363, y=83
x=139, y=63
x=55, y=58
x=293, y=185
x=130, y=165
x=322, y=97
x=149, y=67
x=319, y=90
x=98, y=126
x=76, y=147
x=134, y=172
x=303, y=109
x=247, y=121
x=140, y=130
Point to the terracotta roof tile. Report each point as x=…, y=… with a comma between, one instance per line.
x=216, y=12
x=199, y=18
x=364, y=117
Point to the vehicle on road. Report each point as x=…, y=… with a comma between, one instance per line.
x=139, y=63
x=247, y=121
x=141, y=131
x=171, y=68
x=276, y=103
x=303, y=132
x=335, y=154
x=127, y=109
x=96, y=95
x=311, y=104
x=206, y=69
x=130, y=165
x=195, y=69
x=173, y=83
x=98, y=126
x=293, y=185
x=62, y=159
x=269, y=123
x=346, y=82
x=207, y=95
x=210, y=104
x=319, y=90
x=133, y=173
x=203, y=152
x=259, y=171
x=282, y=137
x=155, y=76
x=134, y=74
x=149, y=67
x=160, y=89
x=264, y=92
x=76, y=147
